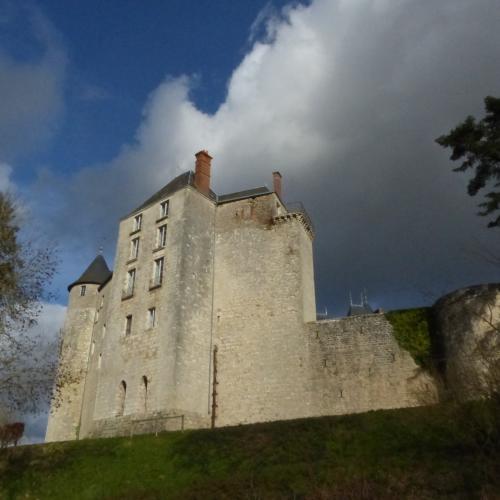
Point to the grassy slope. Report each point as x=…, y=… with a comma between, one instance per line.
x=410, y=453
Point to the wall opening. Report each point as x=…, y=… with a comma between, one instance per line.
x=122, y=393
x=144, y=387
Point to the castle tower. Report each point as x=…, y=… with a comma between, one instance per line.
x=264, y=294
x=66, y=408
x=154, y=360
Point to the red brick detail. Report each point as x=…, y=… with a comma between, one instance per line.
x=202, y=172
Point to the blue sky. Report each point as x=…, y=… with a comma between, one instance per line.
x=117, y=53
x=104, y=102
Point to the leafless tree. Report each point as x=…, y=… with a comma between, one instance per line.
x=27, y=360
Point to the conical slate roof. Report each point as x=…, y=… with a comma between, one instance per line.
x=97, y=273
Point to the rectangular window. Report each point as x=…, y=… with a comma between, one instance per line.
x=137, y=222
x=151, y=323
x=158, y=272
x=99, y=361
x=129, y=285
x=83, y=289
x=128, y=325
x=161, y=236
x=163, y=209
x=134, y=248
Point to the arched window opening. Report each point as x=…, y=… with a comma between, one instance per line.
x=122, y=393
x=145, y=393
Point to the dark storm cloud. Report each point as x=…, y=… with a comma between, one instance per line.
x=346, y=100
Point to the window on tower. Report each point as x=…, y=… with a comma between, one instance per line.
x=158, y=266
x=134, y=248
x=137, y=222
x=128, y=325
x=83, y=290
x=163, y=209
x=161, y=236
x=128, y=291
x=151, y=321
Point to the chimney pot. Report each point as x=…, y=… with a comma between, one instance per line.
x=202, y=172
x=277, y=184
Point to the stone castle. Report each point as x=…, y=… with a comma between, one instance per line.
x=209, y=319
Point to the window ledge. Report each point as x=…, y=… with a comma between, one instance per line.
x=135, y=231
x=157, y=249
x=154, y=287
x=130, y=261
x=126, y=296
x=161, y=219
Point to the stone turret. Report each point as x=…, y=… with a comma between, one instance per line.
x=83, y=303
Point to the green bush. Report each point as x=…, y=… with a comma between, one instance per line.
x=412, y=331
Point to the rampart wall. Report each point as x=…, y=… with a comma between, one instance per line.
x=356, y=365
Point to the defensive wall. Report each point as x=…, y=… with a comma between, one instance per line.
x=357, y=365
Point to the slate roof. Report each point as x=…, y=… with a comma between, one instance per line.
x=182, y=180
x=241, y=195
x=187, y=179
x=97, y=273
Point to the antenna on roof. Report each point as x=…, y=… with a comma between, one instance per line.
x=350, y=298
x=100, y=250
x=365, y=297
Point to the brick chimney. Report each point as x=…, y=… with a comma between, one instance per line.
x=277, y=183
x=202, y=172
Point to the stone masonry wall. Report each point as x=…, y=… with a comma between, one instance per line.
x=467, y=323
x=262, y=273
x=192, y=297
x=95, y=359
x=356, y=365
x=173, y=356
x=64, y=419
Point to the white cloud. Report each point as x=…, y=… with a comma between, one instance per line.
x=345, y=98
x=50, y=321
x=5, y=172
x=31, y=91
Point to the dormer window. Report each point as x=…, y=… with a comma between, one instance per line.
x=163, y=209
x=137, y=222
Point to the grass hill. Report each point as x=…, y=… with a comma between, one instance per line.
x=430, y=452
